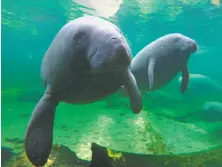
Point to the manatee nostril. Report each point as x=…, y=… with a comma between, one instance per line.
x=112, y=42
x=122, y=55
x=113, y=38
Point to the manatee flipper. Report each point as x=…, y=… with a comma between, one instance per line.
x=151, y=72
x=39, y=133
x=185, y=79
x=135, y=96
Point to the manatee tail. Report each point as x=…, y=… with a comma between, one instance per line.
x=39, y=133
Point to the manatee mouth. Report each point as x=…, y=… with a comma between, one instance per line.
x=114, y=66
x=189, y=47
x=111, y=57
x=116, y=70
x=194, y=47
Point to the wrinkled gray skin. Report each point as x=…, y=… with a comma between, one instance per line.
x=160, y=61
x=87, y=61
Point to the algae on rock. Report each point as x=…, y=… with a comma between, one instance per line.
x=60, y=156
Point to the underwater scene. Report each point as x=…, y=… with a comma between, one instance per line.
x=115, y=83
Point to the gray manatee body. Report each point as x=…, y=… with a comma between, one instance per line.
x=202, y=88
x=87, y=60
x=213, y=111
x=208, y=112
x=160, y=61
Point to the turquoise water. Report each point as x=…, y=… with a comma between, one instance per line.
x=178, y=122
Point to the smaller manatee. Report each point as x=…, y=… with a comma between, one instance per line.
x=202, y=88
x=161, y=60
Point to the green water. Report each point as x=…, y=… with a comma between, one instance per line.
x=28, y=27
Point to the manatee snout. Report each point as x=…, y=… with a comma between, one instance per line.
x=111, y=54
x=189, y=45
x=192, y=45
x=121, y=55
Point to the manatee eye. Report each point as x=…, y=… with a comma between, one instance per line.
x=176, y=39
x=79, y=37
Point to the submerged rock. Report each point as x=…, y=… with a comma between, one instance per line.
x=60, y=156
x=104, y=157
x=100, y=157
x=7, y=153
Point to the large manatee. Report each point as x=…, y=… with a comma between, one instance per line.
x=161, y=60
x=87, y=60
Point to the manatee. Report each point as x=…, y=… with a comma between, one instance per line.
x=202, y=88
x=213, y=111
x=161, y=60
x=208, y=112
x=88, y=60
